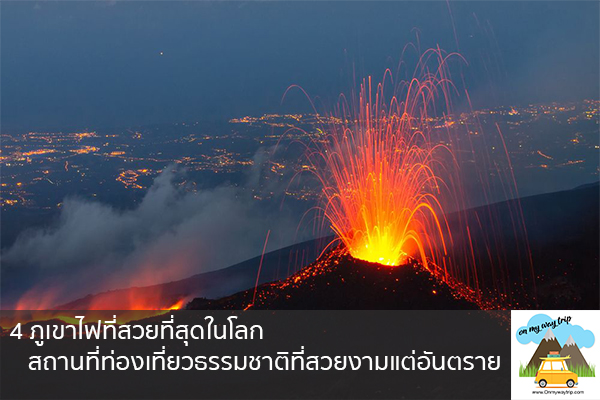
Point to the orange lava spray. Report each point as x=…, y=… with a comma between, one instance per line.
x=381, y=170
x=403, y=175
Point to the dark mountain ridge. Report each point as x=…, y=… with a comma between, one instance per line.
x=276, y=265
x=338, y=281
x=563, y=235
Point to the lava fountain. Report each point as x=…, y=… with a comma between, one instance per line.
x=382, y=172
x=403, y=175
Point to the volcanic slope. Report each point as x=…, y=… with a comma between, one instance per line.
x=563, y=233
x=276, y=265
x=336, y=281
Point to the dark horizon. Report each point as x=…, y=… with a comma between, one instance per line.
x=107, y=64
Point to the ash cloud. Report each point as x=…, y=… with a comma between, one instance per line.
x=171, y=234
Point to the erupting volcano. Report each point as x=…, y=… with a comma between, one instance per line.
x=379, y=170
x=388, y=180
x=390, y=163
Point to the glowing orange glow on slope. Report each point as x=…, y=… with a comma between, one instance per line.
x=26, y=313
x=177, y=306
x=134, y=299
x=142, y=290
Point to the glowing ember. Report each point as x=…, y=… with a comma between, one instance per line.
x=177, y=306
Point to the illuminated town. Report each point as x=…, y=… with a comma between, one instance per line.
x=69, y=163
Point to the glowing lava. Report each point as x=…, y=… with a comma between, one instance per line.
x=96, y=311
x=379, y=169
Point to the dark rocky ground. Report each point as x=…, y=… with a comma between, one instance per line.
x=339, y=282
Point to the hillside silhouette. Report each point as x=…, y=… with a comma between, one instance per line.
x=563, y=235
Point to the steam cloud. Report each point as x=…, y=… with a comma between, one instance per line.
x=172, y=234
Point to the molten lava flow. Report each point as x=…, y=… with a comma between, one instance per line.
x=177, y=306
x=379, y=169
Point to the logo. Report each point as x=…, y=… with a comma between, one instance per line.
x=553, y=354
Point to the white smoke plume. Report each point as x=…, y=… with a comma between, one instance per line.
x=171, y=234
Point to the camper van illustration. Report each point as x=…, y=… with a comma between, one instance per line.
x=554, y=371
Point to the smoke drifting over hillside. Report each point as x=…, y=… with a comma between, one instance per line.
x=171, y=234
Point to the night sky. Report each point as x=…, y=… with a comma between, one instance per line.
x=105, y=64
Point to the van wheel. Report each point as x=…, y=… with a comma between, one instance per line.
x=543, y=383
x=570, y=383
